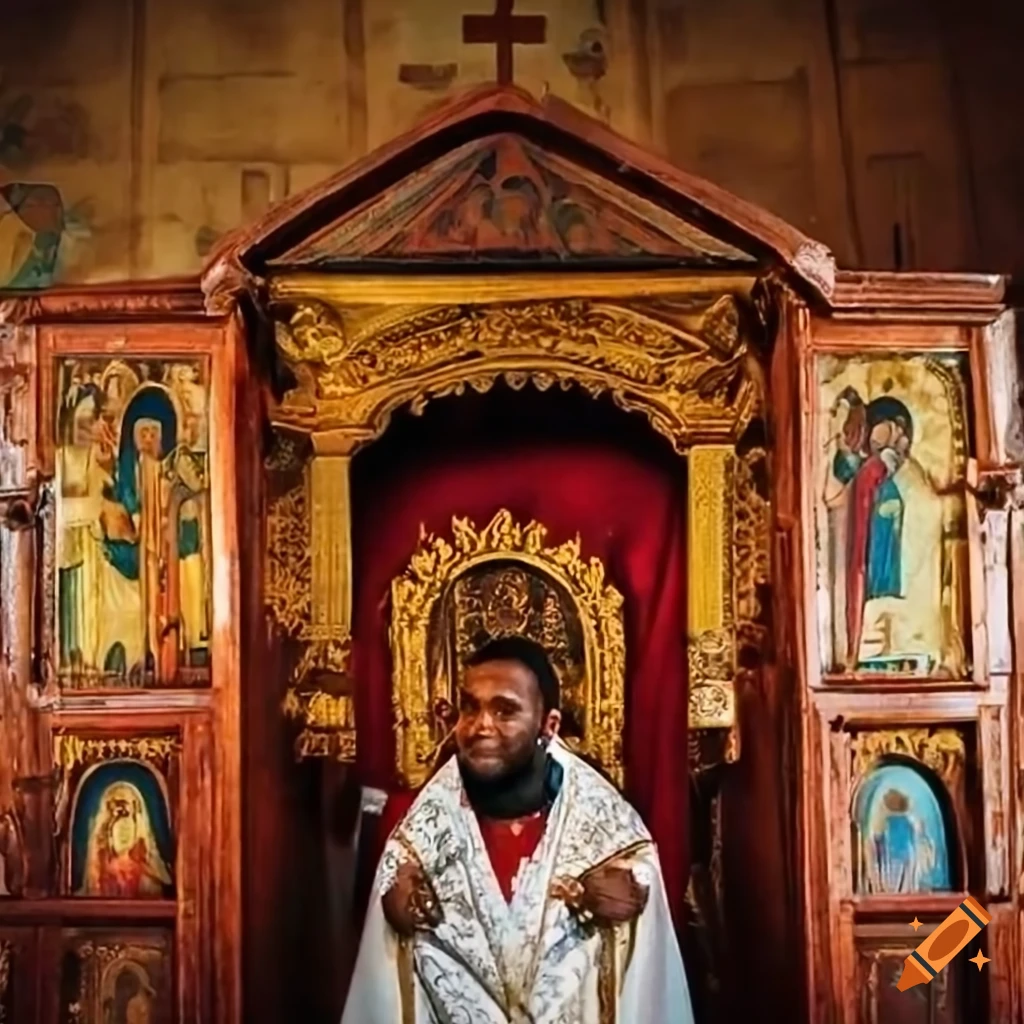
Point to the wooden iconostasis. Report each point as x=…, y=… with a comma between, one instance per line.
x=131, y=612
x=117, y=659
x=909, y=550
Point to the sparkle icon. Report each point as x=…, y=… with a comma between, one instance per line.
x=980, y=959
x=945, y=942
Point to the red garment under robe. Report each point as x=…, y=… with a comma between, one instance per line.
x=509, y=842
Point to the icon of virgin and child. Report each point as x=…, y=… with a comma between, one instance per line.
x=131, y=517
x=885, y=538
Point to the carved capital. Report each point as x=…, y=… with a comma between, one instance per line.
x=815, y=262
x=15, y=311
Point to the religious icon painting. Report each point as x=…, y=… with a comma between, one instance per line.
x=890, y=460
x=117, y=977
x=902, y=832
x=117, y=820
x=133, y=538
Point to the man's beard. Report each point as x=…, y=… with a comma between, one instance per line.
x=515, y=793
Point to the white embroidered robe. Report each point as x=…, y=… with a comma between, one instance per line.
x=528, y=961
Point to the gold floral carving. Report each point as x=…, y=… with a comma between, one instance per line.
x=437, y=564
x=327, y=719
x=751, y=542
x=286, y=584
x=941, y=750
x=681, y=361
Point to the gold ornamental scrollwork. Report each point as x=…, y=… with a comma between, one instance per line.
x=729, y=569
x=751, y=541
x=681, y=361
x=71, y=750
x=941, y=750
x=326, y=718
x=435, y=566
x=286, y=583
x=313, y=701
x=711, y=657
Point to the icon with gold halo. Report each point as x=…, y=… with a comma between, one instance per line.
x=942, y=945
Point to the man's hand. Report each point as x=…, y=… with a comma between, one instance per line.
x=609, y=894
x=410, y=904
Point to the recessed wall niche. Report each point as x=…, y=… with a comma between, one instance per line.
x=908, y=811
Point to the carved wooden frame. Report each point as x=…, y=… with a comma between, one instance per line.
x=676, y=348
x=76, y=754
x=435, y=566
x=848, y=341
x=191, y=341
x=885, y=313
x=162, y=319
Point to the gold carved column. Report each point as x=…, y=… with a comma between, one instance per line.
x=320, y=697
x=711, y=627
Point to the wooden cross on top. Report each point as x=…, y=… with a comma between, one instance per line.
x=505, y=29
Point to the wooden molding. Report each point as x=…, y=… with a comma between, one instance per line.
x=125, y=302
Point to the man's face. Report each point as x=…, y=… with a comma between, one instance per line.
x=501, y=717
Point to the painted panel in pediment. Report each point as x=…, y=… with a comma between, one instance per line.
x=504, y=199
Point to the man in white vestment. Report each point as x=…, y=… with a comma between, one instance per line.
x=520, y=886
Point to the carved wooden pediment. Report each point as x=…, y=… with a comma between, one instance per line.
x=502, y=198
x=497, y=177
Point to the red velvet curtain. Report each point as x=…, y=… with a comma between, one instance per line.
x=577, y=465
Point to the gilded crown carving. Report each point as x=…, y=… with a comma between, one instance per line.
x=437, y=564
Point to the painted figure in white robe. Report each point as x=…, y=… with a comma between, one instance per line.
x=122, y=857
x=520, y=886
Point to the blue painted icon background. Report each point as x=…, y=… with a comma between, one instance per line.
x=911, y=849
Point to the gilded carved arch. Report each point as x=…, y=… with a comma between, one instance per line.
x=681, y=360
x=420, y=682
x=679, y=350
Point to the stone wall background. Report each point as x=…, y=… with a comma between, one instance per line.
x=134, y=132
